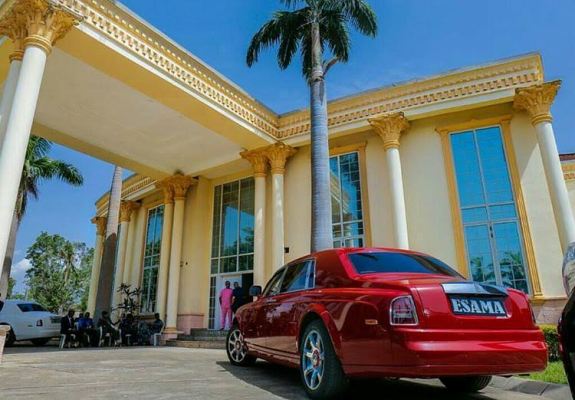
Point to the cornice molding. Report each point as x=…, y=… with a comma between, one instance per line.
x=124, y=29
x=569, y=171
x=131, y=185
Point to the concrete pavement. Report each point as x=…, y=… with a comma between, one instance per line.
x=174, y=373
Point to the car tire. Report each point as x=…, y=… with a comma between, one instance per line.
x=237, y=350
x=466, y=384
x=318, y=357
x=10, y=338
x=40, y=341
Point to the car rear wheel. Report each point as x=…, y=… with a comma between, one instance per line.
x=320, y=369
x=40, y=342
x=466, y=384
x=10, y=338
x=237, y=350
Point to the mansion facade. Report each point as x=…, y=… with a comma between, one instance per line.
x=473, y=186
x=463, y=165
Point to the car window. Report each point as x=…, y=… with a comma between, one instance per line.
x=381, y=262
x=28, y=307
x=273, y=286
x=296, y=277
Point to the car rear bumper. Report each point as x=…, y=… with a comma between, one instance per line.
x=420, y=354
x=40, y=333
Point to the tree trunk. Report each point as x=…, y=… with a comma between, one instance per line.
x=105, y=281
x=9, y=258
x=321, y=224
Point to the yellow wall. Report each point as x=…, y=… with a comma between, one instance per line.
x=428, y=206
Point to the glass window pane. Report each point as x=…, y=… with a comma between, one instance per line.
x=494, y=165
x=347, y=213
x=247, y=194
x=295, y=278
x=479, y=254
x=467, y=169
x=502, y=212
x=509, y=255
x=476, y=214
x=151, y=260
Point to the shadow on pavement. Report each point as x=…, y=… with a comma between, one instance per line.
x=285, y=382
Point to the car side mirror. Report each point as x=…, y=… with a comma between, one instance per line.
x=256, y=291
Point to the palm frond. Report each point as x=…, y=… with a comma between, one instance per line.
x=336, y=35
x=357, y=12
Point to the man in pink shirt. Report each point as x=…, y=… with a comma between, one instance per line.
x=226, y=306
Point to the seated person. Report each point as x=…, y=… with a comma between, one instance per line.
x=107, y=326
x=128, y=327
x=157, y=325
x=144, y=334
x=88, y=332
x=67, y=326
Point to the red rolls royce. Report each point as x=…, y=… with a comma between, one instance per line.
x=347, y=313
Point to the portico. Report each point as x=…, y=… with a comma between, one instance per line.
x=222, y=183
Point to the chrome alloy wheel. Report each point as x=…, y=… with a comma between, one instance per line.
x=236, y=346
x=313, y=359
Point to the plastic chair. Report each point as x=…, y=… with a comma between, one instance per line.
x=156, y=337
x=103, y=337
x=63, y=337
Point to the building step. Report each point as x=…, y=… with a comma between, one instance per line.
x=197, y=344
x=202, y=333
x=190, y=338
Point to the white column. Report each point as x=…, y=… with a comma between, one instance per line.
x=120, y=259
x=162, y=290
x=180, y=184
x=8, y=94
x=20, y=121
x=397, y=199
x=389, y=128
x=278, y=155
x=537, y=101
x=95, y=273
x=128, y=258
x=556, y=182
x=277, y=220
x=259, y=230
x=43, y=24
x=259, y=162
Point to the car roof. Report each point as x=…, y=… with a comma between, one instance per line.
x=14, y=301
x=348, y=250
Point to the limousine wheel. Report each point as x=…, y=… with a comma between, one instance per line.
x=237, y=349
x=320, y=369
x=466, y=384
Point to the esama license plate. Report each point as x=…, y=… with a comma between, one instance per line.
x=477, y=306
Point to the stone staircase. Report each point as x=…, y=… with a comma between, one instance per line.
x=200, y=339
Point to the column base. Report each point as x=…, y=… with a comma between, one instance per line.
x=170, y=333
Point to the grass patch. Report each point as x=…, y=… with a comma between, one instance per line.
x=553, y=374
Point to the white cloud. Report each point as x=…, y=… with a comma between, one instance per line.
x=18, y=272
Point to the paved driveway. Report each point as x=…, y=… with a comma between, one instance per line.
x=175, y=373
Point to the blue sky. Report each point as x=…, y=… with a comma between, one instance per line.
x=416, y=38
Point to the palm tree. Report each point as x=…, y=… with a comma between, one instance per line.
x=105, y=282
x=319, y=27
x=38, y=166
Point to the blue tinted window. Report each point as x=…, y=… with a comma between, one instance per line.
x=488, y=210
x=152, y=258
x=346, y=207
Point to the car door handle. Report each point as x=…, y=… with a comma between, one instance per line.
x=268, y=301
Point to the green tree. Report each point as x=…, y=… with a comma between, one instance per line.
x=11, y=285
x=38, y=166
x=317, y=29
x=57, y=278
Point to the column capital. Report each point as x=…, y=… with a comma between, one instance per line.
x=389, y=128
x=258, y=160
x=100, y=223
x=277, y=155
x=126, y=208
x=38, y=23
x=537, y=100
x=176, y=187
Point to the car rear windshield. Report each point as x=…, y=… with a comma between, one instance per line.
x=382, y=262
x=27, y=307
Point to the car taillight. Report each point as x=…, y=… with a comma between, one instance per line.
x=39, y=323
x=402, y=311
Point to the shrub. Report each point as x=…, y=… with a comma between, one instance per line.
x=552, y=339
